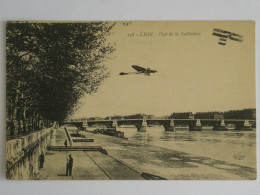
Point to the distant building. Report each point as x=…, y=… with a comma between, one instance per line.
x=98, y=118
x=191, y=116
x=160, y=117
x=218, y=116
x=254, y=113
x=150, y=116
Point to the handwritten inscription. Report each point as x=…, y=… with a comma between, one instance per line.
x=163, y=34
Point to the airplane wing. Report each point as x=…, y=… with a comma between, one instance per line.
x=227, y=35
x=139, y=69
x=127, y=73
x=152, y=71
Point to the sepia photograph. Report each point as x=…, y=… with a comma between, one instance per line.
x=130, y=100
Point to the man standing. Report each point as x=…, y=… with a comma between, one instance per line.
x=41, y=159
x=65, y=143
x=69, y=166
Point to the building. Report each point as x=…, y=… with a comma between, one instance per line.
x=218, y=116
x=254, y=113
x=191, y=116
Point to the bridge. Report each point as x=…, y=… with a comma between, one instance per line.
x=78, y=124
x=170, y=124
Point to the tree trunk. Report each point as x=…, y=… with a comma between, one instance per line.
x=19, y=126
x=12, y=128
x=24, y=122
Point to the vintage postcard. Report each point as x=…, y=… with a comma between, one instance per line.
x=130, y=100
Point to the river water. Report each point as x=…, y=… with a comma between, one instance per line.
x=238, y=147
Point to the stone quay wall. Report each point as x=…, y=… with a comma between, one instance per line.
x=22, y=155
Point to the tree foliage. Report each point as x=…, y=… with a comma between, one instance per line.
x=50, y=66
x=180, y=115
x=247, y=113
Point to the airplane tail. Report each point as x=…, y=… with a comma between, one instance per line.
x=123, y=73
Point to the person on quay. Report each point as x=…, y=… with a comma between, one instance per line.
x=69, y=166
x=41, y=160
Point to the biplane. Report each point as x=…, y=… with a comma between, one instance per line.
x=224, y=35
x=140, y=70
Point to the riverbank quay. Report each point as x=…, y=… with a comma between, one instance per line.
x=87, y=164
x=168, y=163
x=23, y=152
x=104, y=157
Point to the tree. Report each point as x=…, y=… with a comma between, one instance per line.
x=50, y=66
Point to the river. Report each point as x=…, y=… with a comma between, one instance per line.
x=238, y=147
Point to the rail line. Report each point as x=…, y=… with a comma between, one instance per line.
x=98, y=165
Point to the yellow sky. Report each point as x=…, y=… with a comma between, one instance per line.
x=195, y=73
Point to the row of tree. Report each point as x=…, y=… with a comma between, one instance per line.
x=206, y=115
x=180, y=115
x=132, y=116
x=240, y=114
x=49, y=67
x=231, y=114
